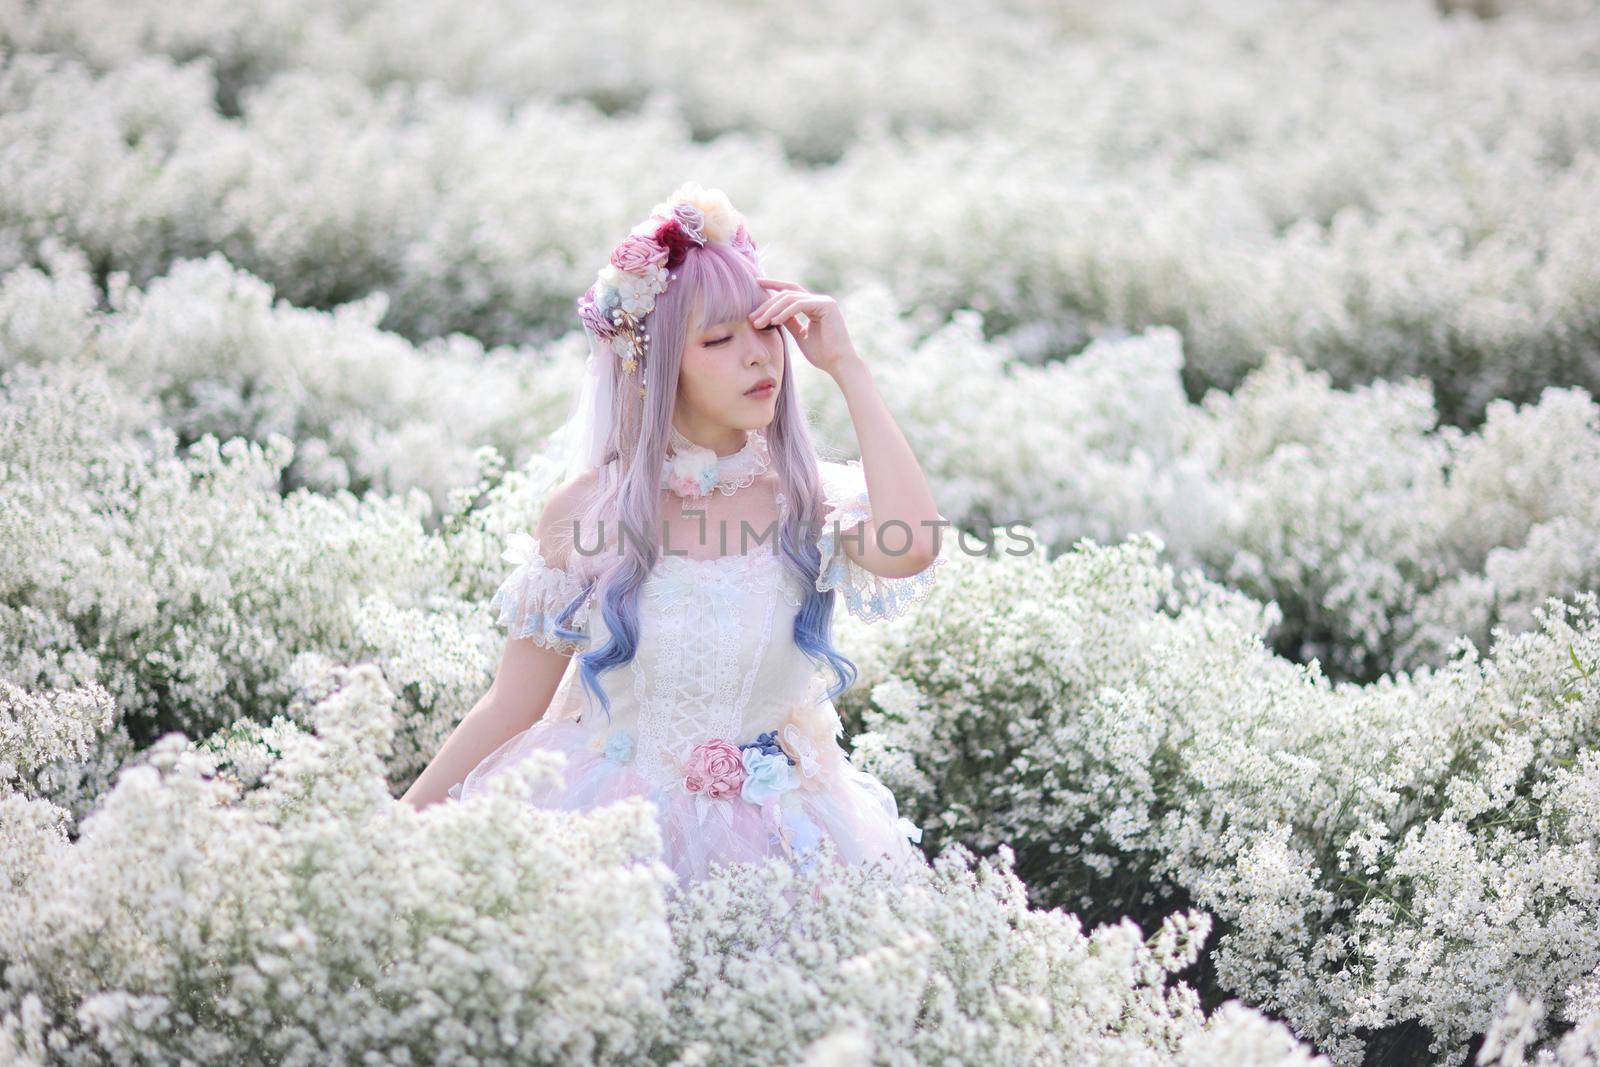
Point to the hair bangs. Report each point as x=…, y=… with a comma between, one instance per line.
x=726, y=286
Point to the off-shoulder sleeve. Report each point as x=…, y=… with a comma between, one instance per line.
x=867, y=596
x=533, y=595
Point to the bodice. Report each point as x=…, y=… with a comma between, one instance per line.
x=716, y=657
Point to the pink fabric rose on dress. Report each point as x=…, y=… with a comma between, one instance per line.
x=715, y=768
x=635, y=254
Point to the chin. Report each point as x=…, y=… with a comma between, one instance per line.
x=745, y=421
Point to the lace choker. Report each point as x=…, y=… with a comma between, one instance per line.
x=693, y=471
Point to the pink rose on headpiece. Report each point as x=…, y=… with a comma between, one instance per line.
x=691, y=217
x=715, y=768
x=590, y=314
x=635, y=254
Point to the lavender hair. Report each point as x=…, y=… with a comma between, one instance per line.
x=628, y=485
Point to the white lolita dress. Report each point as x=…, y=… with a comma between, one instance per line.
x=719, y=718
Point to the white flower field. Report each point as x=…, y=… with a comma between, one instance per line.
x=1274, y=325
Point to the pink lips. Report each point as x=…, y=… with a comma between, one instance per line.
x=763, y=390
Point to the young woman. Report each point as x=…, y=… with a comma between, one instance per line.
x=689, y=564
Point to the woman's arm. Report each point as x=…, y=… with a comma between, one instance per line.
x=895, y=483
x=526, y=680
x=518, y=697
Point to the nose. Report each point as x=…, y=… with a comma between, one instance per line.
x=760, y=352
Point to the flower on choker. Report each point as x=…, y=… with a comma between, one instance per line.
x=692, y=471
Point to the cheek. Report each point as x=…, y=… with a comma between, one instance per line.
x=699, y=374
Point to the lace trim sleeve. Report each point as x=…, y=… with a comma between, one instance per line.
x=867, y=596
x=533, y=595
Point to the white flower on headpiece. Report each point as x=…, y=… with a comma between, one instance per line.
x=636, y=293
x=720, y=217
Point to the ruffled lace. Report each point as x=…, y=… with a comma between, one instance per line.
x=532, y=596
x=867, y=596
x=727, y=474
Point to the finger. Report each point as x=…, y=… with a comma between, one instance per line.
x=776, y=284
x=791, y=305
x=769, y=305
x=777, y=309
x=763, y=307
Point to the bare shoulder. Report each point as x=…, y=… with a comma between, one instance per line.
x=563, y=509
x=571, y=496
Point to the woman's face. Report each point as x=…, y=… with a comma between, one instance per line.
x=720, y=364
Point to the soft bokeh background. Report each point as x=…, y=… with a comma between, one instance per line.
x=1277, y=325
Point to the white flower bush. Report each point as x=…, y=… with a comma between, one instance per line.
x=43, y=731
x=1405, y=852
x=463, y=217
x=198, y=596
x=1270, y=325
x=1382, y=536
x=318, y=917
x=1379, y=190
x=315, y=917
x=365, y=408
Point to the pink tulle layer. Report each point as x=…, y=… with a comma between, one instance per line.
x=853, y=808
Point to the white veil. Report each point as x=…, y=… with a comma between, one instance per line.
x=582, y=442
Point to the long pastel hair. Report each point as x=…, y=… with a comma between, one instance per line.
x=627, y=491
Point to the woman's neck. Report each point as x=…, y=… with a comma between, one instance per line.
x=723, y=440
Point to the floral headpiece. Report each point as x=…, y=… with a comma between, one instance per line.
x=625, y=291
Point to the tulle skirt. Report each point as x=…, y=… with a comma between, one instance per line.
x=853, y=809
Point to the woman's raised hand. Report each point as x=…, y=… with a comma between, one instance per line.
x=822, y=337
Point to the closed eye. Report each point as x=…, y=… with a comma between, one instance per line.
x=768, y=328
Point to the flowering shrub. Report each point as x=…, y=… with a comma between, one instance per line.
x=366, y=410
x=1434, y=218
x=1381, y=537
x=317, y=916
x=1046, y=275
x=201, y=600
x=1405, y=852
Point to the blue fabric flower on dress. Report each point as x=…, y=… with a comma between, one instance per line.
x=768, y=745
x=766, y=775
x=619, y=746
